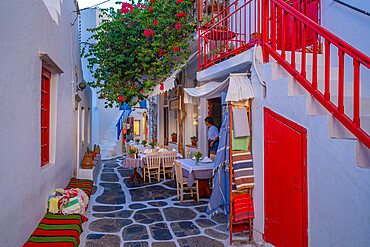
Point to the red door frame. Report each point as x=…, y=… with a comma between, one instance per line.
x=303, y=131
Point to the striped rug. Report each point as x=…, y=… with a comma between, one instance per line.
x=83, y=184
x=57, y=230
x=243, y=170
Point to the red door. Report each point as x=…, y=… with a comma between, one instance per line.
x=285, y=182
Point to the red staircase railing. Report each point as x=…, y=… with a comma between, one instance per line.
x=278, y=19
x=232, y=31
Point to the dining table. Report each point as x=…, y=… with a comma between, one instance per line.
x=202, y=171
x=134, y=163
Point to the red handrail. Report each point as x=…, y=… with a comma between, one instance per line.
x=227, y=34
x=305, y=25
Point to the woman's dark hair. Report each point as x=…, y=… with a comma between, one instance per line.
x=209, y=120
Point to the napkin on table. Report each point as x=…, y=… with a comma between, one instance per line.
x=206, y=160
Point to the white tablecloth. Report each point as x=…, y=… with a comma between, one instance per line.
x=192, y=171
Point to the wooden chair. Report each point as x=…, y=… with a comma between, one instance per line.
x=153, y=165
x=181, y=182
x=167, y=163
x=188, y=154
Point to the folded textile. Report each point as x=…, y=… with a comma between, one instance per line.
x=243, y=170
x=84, y=184
x=206, y=160
x=240, y=143
x=243, y=207
x=57, y=230
x=240, y=122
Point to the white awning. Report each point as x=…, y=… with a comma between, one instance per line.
x=169, y=83
x=237, y=86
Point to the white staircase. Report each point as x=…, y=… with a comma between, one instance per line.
x=278, y=78
x=109, y=146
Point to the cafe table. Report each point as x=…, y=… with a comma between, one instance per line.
x=134, y=163
x=141, y=147
x=202, y=172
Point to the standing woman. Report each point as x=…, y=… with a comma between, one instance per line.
x=212, y=137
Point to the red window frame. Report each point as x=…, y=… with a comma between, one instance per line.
x=45, y=115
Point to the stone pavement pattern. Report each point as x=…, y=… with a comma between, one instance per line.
x=142, y=215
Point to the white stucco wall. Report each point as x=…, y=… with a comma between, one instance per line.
x=26, y=29
x=338, y=191
x=103, y=118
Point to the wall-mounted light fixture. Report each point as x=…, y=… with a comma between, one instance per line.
x=81, y=86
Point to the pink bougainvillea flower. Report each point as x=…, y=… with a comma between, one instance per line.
x=126, y=8
x=175, y=48
x=103, y=98
x=161, y=52
x=120, y=98
x=150, y=9
x=155, y=23
x=162, y=86
x=180, y=15
x=179, y=1
x=142, y=91
x=141, y=6
x=178, y=26
x=147, y=33
x=152, y=1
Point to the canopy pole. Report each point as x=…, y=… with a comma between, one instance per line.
x=231, y=217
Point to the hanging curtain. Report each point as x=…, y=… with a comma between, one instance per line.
x=221, y=191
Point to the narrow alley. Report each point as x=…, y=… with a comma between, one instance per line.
x=149, y=214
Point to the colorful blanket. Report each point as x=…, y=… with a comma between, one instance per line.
x=243, y=207
x=83, y=184
x=243, y=170
x=57, y=230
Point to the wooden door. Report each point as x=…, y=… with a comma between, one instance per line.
x=165, y=126
x=215, y=111
x=285, y=178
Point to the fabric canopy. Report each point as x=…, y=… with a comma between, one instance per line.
x=169, y=83
x=237, y=86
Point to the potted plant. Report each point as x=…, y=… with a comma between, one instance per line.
x=133, y=153
x=87, y=160
x=174, y=137
x=144, y=142
x=197, y=156
x=194, y=140
x=153, y=144
x=137, y=141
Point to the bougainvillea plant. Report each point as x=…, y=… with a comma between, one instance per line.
x=136, y=47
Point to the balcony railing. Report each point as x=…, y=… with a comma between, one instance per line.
x=286, y=30
x=234, y=30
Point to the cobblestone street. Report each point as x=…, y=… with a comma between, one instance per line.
x=132, y=214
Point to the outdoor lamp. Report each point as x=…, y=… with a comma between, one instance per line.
x=81, y=86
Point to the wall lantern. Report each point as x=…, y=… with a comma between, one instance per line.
x=81, y=86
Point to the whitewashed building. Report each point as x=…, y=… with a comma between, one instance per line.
x=45, y=121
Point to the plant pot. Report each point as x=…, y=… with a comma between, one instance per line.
x=194, y=142
x=93, y=155
x=97, y=150
x=87, y=162
x=174, y=138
